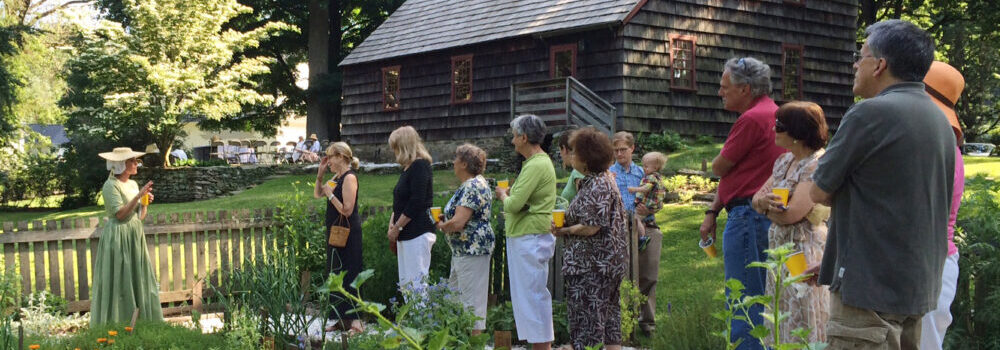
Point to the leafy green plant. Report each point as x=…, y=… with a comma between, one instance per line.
x=429, y=318
x=41, y=317
x=146, y=335
x=631, y=300
x=667, y=141
x=241, y=330
x=10, y=290
x=500, y=318
x=300, y=226
x=271, y=288
x=978, y=292
x=738, y=306
x=200, y=163
x=687, y=186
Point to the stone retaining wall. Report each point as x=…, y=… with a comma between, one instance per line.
x=185, y=184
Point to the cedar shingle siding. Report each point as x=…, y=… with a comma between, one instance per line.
x=626, y=63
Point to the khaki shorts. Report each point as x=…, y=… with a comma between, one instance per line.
x=854, y=328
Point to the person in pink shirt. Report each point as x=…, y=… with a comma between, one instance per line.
x=945, y=84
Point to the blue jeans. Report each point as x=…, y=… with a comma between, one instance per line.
x=743, y=242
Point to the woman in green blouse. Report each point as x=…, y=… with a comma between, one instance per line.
x=528, y=206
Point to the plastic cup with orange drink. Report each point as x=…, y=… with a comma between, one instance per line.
x=708, y=245
x=796, y=264
x=783, y=193
x=145, y=199
x=504, y=184
x=436, y=213
x=558, y=217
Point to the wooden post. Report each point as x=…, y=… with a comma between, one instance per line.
x=135, y=316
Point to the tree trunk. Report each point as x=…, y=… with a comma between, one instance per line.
x=332, y=99
x=869, y=13
x=318, y=57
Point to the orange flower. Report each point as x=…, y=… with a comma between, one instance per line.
x=34, y=346
x=111, y=341
x=112, y=333
x=128, y=329
x=102, y=340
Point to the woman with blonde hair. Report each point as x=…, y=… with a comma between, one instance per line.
x=341, y=193
x=123, y=275
x=411, y=230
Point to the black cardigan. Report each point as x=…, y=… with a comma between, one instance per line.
x=412, y=197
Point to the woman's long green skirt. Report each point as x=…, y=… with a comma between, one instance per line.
x=123, y=276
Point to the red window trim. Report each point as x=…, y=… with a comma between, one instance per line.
x=694, y=60
x=785, y=48
x=552, y=58
x=385, y=69
x=453, y=60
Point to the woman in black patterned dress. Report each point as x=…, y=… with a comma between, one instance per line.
x=595, y=253
x=342, y=210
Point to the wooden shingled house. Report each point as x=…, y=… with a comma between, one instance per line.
x=459, y=70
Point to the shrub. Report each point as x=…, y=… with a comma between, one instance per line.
x=300, y=225
x=631, y=299
x=200, y=163
x=28, y=176
x=42, y=317
x=667, y=141
x=978, y=292
x=687, y=186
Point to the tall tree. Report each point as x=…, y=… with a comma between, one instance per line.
x=11, y=37
x=347, y=24
x=173, y=62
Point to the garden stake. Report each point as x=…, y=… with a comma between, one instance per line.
x=20, y=336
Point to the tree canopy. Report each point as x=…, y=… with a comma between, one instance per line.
x=173, y=62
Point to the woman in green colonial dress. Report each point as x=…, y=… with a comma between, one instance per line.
x=123, y=276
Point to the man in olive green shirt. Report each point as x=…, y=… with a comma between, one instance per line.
x=528, y=207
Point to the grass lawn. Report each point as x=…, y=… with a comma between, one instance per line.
x=375, y=190
x=691, y=158
x=988, y=165
x=689, y=281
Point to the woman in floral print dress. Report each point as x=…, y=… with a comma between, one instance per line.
x=595, y=253
x=466, y=220
x=801, y=129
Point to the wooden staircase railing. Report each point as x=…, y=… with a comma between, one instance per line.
x=562, y=101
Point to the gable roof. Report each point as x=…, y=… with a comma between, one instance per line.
x=420, y=26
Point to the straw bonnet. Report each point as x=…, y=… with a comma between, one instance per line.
x=121, y=154
x=945, y=84
x=313, y=137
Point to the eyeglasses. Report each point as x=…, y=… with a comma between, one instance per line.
x=779, y=127
x=858, y=56
x=621, y=150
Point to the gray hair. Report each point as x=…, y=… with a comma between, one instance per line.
x=473, y=157
x=907, y=49
x=530, y=126
x=750, y=71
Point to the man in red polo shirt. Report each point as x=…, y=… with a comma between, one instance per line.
x=744, y=165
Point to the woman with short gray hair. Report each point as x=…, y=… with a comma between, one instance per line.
x=528, y=207
x=750, y=71
x=466, y=222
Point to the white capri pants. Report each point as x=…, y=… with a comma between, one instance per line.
x=936, y=322
x=414, y=260
x=470, y=275
x=528, y=266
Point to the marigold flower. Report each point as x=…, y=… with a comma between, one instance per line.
x=34, y=346
x=128, y=329
x=102, y=340
x=111, y=341
x=112, y=333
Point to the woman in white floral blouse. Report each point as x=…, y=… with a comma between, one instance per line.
x=466, y=220
x=595, y=254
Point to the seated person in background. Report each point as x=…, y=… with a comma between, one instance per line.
x=299, y=147
x=650, y=191
x=309, y=149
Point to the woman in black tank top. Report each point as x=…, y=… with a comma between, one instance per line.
x=341, y=193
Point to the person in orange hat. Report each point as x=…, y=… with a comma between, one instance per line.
x=945, y=84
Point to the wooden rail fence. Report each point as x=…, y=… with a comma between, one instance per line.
x=184, y=248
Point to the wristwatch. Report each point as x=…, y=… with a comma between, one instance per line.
x=330, y=197
x=712, y=211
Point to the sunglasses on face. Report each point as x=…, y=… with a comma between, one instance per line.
x=779, y=127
